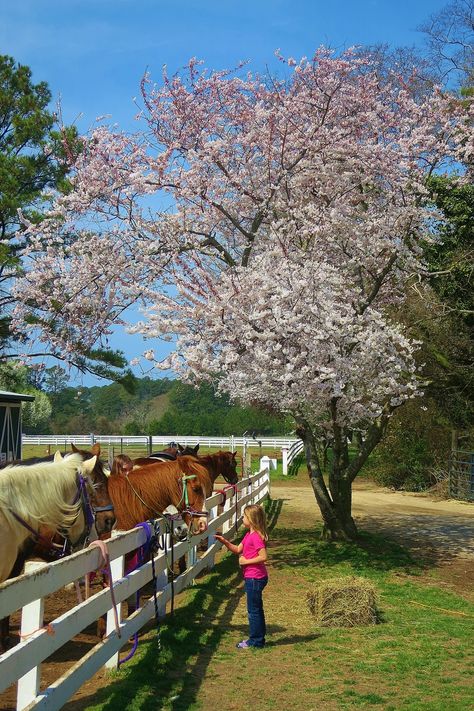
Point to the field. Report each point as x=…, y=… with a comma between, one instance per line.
x=418, y=553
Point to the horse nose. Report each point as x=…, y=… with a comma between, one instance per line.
x=109, y=523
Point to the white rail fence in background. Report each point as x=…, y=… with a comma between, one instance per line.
x=156, y=441
x=292, y=455
x=28, y=591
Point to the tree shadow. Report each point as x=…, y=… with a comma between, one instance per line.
x=369, y=553
x=273, y=508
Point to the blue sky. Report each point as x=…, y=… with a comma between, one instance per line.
x=93, y=53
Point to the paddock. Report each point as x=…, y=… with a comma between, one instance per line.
x=22, y=662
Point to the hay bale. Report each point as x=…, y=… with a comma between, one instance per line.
x=343, y=602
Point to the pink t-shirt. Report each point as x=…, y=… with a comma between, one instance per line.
x=252, y=545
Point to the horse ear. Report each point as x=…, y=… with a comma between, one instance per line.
x=96, y=449
x=234, y=454
x=180, y=448
x=196, y=449
x=73, y=447
x=58, y=457
x=88, y=465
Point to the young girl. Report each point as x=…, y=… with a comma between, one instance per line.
x=252, y=556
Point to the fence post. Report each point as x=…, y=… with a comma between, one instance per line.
x=116, y=568
x=284, y=455
x=211, y=539
x=162, y=578
x=31, y=620
x=226, y=526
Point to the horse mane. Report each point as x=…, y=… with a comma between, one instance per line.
x=155, y=486
x=216, y=463
x=41, y=493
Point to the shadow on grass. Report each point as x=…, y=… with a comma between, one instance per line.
x=273, y=509
x=170, y=677
x=369, y=553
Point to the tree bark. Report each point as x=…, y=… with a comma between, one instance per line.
x=335, y=504
x=335, y=498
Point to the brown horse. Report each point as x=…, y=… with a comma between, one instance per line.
x=169, y=454
x=144, y=492
x=220, y=464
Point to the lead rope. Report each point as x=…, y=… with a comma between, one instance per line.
x=142, y=552
x=105, y=562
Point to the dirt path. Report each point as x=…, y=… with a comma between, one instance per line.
x=438, y=532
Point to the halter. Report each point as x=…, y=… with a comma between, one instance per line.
x=88, y=510
x=184, y=497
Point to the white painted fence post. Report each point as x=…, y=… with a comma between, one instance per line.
x=284, y=454
x=116, y=569
x=162, y=578
x=226, y=526
x=31, y=620
x=211, y=538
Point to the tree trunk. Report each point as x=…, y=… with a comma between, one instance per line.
x=335, y=500
x=335, y=506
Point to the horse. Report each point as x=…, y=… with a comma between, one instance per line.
x=144, y=492
x=51, y=494
x=220, y=463
x=171, y=452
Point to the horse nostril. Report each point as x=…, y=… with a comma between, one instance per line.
x=109, y=523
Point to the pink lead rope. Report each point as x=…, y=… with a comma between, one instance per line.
x=105, y=563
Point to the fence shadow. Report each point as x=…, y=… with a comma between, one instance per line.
x=189, y=640
x=273, y=510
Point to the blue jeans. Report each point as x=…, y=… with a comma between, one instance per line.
x=254, y=588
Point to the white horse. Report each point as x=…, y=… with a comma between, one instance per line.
x=45, y=494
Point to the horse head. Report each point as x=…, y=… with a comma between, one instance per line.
x=198, y=484
x=228, y=463
x=101, y=503
x=179, y=528
x=186, y=450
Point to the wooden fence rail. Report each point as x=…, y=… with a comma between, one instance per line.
x=22, y=662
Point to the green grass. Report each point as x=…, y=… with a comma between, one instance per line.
x=419, y=658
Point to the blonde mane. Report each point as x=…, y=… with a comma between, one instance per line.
x=41, y=493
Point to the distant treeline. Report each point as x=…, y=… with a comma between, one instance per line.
x=158, y=407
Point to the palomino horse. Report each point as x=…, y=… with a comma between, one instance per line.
x=49, y=545
x=51, y=494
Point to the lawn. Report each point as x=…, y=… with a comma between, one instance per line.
x=419, y=657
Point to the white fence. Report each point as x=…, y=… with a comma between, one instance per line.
x=28, y=591
x=158, y=441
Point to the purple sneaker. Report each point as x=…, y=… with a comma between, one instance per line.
x=243, y=644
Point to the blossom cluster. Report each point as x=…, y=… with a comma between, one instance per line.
x=265, y=223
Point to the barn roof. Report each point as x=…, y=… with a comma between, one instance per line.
x=5, y=396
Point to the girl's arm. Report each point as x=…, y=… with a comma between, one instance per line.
x=231, y=546
x=260, y=558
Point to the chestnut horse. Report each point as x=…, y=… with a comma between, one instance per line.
x=144, y=492
x=169, y=454
x=218, y=464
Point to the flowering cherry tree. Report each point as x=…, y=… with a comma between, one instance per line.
x=268, y=227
